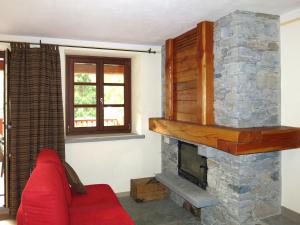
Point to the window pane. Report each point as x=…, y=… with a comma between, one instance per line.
x=84, y=94
x=85, y=72
x=85, y=117
x=113, y=116
x=113, y=73
x=113, y=95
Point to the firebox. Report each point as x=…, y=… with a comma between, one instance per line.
x=191, y=165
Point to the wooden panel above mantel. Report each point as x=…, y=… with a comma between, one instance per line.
x=237, y=141
x=189, y=74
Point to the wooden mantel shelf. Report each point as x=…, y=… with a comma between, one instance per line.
x=237, y=141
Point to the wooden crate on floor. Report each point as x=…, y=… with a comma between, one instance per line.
x=147, y=189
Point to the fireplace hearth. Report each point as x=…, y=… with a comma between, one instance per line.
x=191, y=165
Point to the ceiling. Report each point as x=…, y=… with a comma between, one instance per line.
x=125, y=21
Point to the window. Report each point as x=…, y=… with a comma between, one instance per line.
x=98, y=95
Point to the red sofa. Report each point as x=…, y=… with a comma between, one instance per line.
x=47, y=199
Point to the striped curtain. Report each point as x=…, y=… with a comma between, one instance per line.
x=35, y=112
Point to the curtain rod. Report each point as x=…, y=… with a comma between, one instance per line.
x=86, y=47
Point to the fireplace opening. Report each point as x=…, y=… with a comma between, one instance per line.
x=191, y=165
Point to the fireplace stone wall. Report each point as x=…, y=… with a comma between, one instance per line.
x=248, y=187
x=247, y=94
x=247, y=70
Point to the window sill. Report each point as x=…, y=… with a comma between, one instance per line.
x=102, y=137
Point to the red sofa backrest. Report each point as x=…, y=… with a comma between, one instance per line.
x=46, y=196
x=43, y=199
x=50, y=156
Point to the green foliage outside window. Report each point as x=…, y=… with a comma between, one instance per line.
x=86, y=94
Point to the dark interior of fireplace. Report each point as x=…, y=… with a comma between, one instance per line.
x=191, y=165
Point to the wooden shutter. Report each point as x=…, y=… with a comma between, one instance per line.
x=189, y=76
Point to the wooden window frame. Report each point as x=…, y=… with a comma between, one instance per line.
x=2, y=63
x=100, y=128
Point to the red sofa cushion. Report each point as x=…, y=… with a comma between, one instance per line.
x=50, y=156
x=43, y=199
x=100, y=206
x=96, y=194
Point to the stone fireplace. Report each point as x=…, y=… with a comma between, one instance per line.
x=248, y=187
x=246, y=94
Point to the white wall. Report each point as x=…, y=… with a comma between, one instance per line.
x=290, y=110
x=116, y=162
